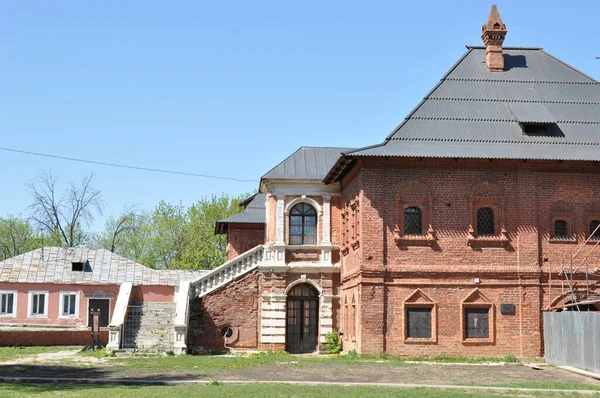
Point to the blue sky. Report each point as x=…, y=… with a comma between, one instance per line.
x=231, y=88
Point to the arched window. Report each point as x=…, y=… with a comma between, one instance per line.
x=485, y=221
x=413, y=221
x=303, y=225
x=560, y=229
x=593, y=225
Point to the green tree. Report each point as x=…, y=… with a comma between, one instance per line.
x=202, y=249
x=17, y=236
x=172, y=236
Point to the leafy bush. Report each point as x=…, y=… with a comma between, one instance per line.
x=332, y=342
x=510, y=358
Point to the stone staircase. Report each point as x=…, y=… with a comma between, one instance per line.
x=149, y=327
x=229, y=271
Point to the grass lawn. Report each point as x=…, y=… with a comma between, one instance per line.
x=8, y=353
x=241, y=390
x=221, y=362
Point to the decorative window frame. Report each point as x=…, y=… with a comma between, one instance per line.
x=286, y=217
x=487, y=194
x=418, y=299
x=12, y=314
x=30, y=294
x=61, y=296
x=561, y=210
x=353, y=318
x=414, y=194
x=591, y=212
x=476, y=299
x=350, y=237
x=345, y=241
x=355, y=223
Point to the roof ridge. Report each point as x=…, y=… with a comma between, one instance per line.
x=570, y=66
x=461, y=79
x=474, y=119
x=515, y=100
x=480, y=47
x=566, y=143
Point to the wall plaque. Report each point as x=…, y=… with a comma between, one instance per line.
x=507, y=309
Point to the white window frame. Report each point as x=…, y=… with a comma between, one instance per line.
x=30, y=313
x=12, y=314
x=61, y=305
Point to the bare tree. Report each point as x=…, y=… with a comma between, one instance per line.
x=124, y=224
x=64, y=216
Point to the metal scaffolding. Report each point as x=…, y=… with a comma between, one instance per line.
x=572, y=278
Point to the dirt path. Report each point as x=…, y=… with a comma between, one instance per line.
x=49, y=358
x=61, y=365
x=454, y=374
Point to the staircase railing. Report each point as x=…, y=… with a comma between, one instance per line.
x=115, y=327
x=230, y=270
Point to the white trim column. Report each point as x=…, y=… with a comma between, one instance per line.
x=280, y=221
x=325, y=316
x=272, y=319
x=326, y=241
x=326, y=219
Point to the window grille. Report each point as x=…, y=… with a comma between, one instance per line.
x=536, y=129
x=303, y=225
x=485, y=221
x=593, y=225
x=413, y=221
x=560, y=229
x=477, y=323
x=418, y=323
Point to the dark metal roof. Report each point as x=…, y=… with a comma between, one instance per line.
x=531, y=113
x=475, y=113
x=307, y=163
x=253, y=213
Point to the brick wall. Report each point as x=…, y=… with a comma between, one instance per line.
x=526, y=198
x=48, y=337
x=243, y=237
x=235, y=306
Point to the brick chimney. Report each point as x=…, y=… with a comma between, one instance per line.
x=493, y=33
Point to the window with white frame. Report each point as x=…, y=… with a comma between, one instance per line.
x=38, y=304
x=8, y=303
x=69, y=304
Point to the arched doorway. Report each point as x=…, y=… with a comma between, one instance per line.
x=302, y=319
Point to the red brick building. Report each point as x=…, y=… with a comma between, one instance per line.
x=442, y=239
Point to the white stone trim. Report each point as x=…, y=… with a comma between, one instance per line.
x=12, y=314
x=273, y=322
x=325, y=316
x=300, y=281
x=326, y=220
x=303, y=199
x=30, y=303
x=61, y=305
x=296, y=268
x=280, y=221
x=273, y=339
x=301, y=187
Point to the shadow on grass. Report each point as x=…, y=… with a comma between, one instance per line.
x=30, y=389
x=70, y=375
